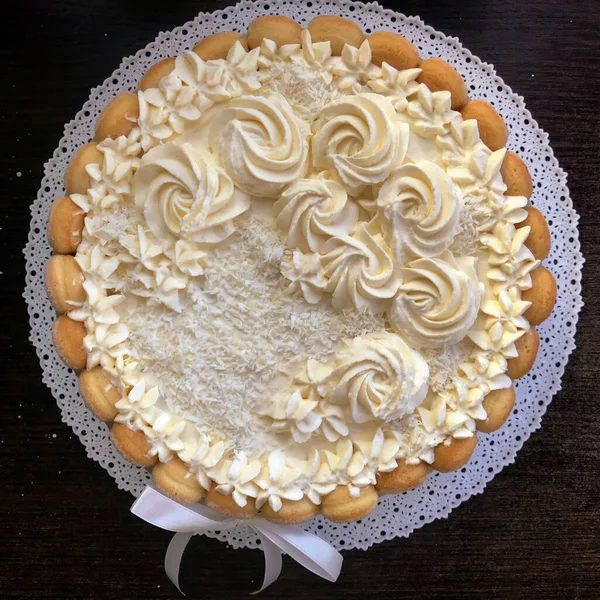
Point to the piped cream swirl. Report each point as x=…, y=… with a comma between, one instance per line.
x=311, y=211
x=380, y=377
x=360, y=271
x=359, y=140
x=438, y=300
x=183, y=194
x=418, y=209
x=260, y=142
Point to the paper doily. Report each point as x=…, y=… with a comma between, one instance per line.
x=399, y=515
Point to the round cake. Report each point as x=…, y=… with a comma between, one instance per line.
x=298, y=270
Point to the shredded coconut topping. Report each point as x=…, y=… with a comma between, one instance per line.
x=237, y=337
x=302, y=86
x=443, y=364
x=466, y=239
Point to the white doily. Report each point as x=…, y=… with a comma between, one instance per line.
x=399, y=515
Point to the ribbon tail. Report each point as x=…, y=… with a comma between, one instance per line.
x=273, y=562
x=173, y=557
x=310, y=551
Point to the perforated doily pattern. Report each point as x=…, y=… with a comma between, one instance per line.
x=399, y=515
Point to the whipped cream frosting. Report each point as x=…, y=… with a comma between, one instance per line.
x=359, y=140
x=382, y=376
x=312, y=211
x=260, y=142
x=183, y=194
x=430, y=112
x=360, y=271
x=438, y=300
x=418, y=207
x=299, y=270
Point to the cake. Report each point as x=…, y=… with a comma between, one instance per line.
x=298, y=270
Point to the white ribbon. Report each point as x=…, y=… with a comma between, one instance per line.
x=306, y=549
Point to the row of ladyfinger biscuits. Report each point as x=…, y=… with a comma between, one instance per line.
x=64, y=278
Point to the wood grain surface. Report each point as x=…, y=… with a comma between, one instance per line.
x=65, y=527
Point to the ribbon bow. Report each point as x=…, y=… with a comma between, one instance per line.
x=306, y=549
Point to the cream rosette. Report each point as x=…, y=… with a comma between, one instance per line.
x=359, y=140
x=380, y=377
x=260, y=142
x=360, y=271
x=311, y=211
x=184, y=195
x=438, y=300
x=418, y=209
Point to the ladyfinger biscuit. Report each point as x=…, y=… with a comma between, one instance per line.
x=538, y=240
x=338, y=31
x=218, y=45
x=65, y=224
x=64, y=283
x=155, y=73
x=281, y=30
x=173, y=478
x=225, y=504
x=118, y=117
x=67, y=336
x=492, y=129
x=339, y=506
x=404, y=477
x=291, y=511
x=454, y=454
x=527, y=347
x=438, y=75
x=498, y=405
x=132, y=445
x=99, y=394
x=393, y=49
x=542, y=296
x=516, y=177
x=77, y=181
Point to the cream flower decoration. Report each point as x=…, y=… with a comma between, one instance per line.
x=377, y=454
x=503, y=208
x=121, y=370
x=430, y=112
x=105, y=339
x=165, y=110
x=305, y=275
x=232, y=77
x=204, y=455
x=486, y=372
x=183, y=194
x=511, y=261
x=397, y=85
x=139, y=399
x=99, y=307
x=354, y=67
x=297, y=414
x=506, y=312
x=278, y=482
x=235, y=477
x=360, y=271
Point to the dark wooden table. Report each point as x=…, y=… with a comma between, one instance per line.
x=65, y=528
